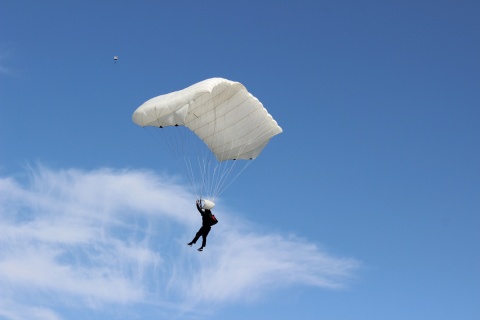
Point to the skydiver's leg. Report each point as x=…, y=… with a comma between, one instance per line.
x=206, y=230
x=199, y=233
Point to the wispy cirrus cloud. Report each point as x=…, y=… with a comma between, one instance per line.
x=77, y=239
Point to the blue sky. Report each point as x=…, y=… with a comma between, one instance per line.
x=365, y=207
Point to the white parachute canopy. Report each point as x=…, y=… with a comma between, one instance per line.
x=230, y=121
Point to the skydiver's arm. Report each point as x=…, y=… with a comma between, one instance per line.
x=199, y=208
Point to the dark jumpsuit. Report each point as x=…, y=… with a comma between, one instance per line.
x=206, y=226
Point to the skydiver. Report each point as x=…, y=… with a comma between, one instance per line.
x=208, y=220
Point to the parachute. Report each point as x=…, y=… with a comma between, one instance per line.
x=208, y=127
